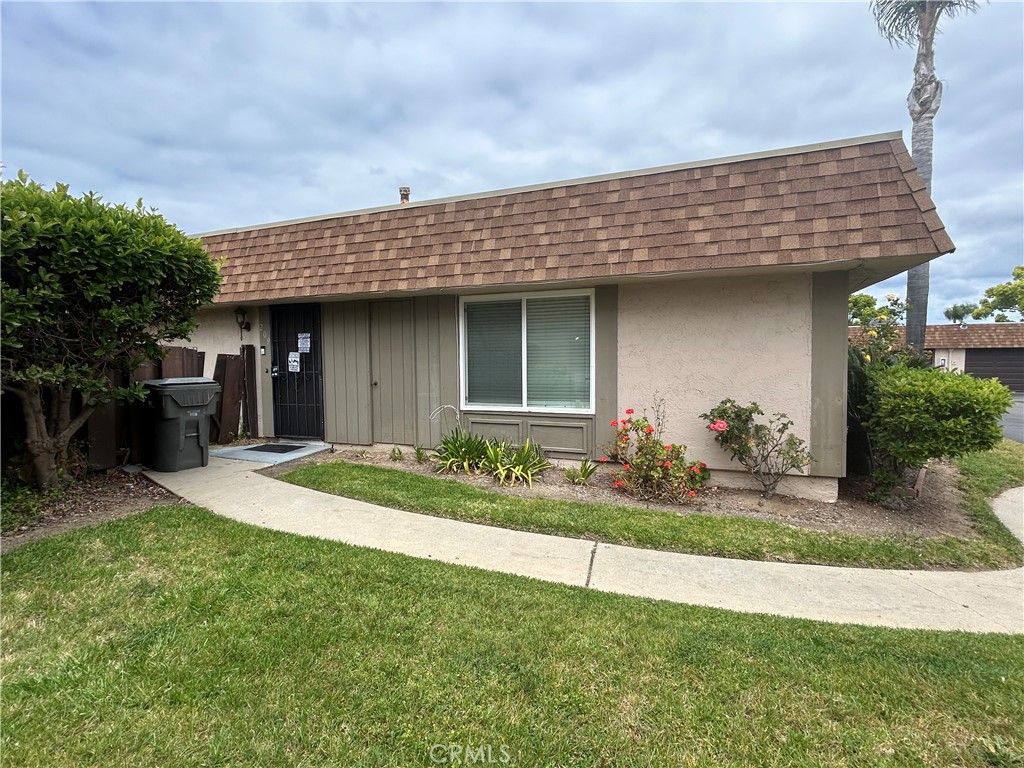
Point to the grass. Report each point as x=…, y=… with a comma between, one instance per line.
x=179, y=638
x=736, y=537
x=984, y=475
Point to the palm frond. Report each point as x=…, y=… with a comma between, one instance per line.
x=899, y=20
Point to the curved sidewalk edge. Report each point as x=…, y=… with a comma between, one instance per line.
x=991, y=601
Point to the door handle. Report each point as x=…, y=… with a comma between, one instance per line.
x=375, y=383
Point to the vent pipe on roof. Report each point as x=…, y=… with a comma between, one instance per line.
x=403, y=194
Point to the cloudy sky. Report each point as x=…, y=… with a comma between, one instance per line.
x=222, y=115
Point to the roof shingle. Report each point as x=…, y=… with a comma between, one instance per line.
x=974, y=336
x=860, y=199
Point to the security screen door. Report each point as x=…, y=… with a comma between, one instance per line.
x=297, y=370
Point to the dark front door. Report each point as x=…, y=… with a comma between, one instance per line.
x=297, y=370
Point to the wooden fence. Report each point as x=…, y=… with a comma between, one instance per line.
x=112, y=433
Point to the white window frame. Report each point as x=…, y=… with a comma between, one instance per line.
x=522, y=296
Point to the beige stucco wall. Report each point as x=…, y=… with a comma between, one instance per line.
x=218, y=334
x=955, y=359
x=696, y=342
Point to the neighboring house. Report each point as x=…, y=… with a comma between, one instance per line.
x=986, y=350
x=544, y=312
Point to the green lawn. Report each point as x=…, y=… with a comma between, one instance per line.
x=985, y=475
x=179, y=638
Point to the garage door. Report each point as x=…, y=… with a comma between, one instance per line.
x=1007, y=365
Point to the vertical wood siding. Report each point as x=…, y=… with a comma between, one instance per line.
x=347, y=411
x=437, y=365
x=393, y=372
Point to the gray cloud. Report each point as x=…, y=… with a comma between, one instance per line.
x=225, y=114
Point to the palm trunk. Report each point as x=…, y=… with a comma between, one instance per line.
x=923, y=103
x=919, y=277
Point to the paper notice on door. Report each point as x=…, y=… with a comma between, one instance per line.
x=293, y=362
x=303, y=342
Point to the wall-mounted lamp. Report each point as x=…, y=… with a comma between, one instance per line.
x=243, y=324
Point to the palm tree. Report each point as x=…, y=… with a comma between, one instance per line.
x=913, y=22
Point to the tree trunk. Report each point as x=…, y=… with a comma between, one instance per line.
x=923, y=103
x=46, y=440
x=38, y=441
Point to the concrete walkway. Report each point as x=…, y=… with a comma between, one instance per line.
x=972, y=602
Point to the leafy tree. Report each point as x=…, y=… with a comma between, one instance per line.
x=915, y=22
x=863, y=308
x=88, y=290
x=959, y=312
x=1003, y=298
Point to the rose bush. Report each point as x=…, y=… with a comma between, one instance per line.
x=766, y=451
x=651, y=469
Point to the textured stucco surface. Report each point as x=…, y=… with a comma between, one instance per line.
x=814, y=488
x=694, y=343
x=217, y=334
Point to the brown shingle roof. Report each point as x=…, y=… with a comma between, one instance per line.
x=974, y=336
x=857, y=199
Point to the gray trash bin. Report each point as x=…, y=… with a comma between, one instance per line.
x=178, y=422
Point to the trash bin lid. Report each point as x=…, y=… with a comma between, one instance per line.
x=177, y=382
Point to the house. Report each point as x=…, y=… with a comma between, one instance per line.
x=545, y=311
x=986, y=350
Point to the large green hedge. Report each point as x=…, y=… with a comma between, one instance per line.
x=919, y=414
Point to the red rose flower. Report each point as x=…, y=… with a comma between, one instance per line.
x=693, y=493
x=615, y=423
x=649, y=430
x=667, y=447
x=630, y=411
x=625, y=466
x=668, y=463
x=604, y=458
